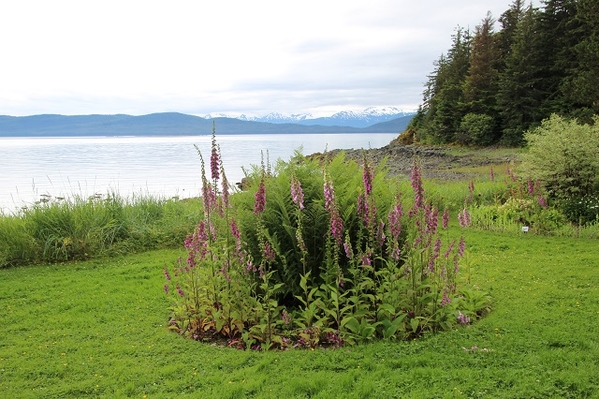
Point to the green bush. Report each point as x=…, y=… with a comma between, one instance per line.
x=316, y=255
x=280, y=217
x=580, y=210
x=562, y=155
x=476, y=129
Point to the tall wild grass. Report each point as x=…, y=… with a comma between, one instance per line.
x=80, y=228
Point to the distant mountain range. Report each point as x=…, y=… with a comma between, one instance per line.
x=173, y=123
x=365, y=118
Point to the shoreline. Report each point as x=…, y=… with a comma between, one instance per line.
x=437, y=162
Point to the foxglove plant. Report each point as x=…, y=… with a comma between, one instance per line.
x=464, y=218
x=297, y=194
x=394, y=227
x=379, y=272
x=445, y=218
x=429, y=269
x=212, y=285
x=333, y=272
x=336, y=223
x=309, y=308
x=268, y=255
x=416, y=182
x=214, y=161
x=260, y=197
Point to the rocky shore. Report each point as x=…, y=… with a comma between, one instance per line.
x=436, y=162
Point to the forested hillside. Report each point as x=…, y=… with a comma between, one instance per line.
x=508, y=75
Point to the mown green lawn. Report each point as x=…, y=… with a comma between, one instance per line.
x=97, y=329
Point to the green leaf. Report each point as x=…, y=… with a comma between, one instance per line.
x=367, y=332
x=351, y=323
x=304, y=282
x=414, y=323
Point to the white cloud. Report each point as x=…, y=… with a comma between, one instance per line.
x=137, y=57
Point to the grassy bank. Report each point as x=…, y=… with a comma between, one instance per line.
x=97, y=329
x=83, y=228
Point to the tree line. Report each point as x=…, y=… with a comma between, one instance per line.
x=492, y=86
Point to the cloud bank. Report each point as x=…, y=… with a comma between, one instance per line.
x=235, y=56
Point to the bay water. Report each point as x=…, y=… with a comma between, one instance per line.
x=35, y=168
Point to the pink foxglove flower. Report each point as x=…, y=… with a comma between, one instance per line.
x=260, y=197
x=530, y=186
x=463, y=319
x=269, y=253
x=432, y=220
x=445, y=218
x=367, y=177
x=347, y=247
x=449, y=249
x=336, y=225
x=329, y=195
x=446, y=300
x=394, y=219
x=461, y=247
x=214, y=157
x=417, y=187
x=464, y=218
x=297, y=194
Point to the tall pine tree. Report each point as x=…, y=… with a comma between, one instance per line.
x=520, y=94
x=509, y=22
x=555, y=47
x=444, y=94
x=480, y=86
x=580, y=87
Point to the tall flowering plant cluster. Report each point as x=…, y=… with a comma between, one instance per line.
x=210, y=288
x=431, y=264
x=523, y=207
x=318, y=256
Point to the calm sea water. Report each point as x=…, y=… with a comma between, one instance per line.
x=160, y=166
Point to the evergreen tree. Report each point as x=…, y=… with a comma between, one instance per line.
x=520, y=95
x=480, y=85
x=443, y=96
x=498, y=85
x=580, y=87
x=509, y=22
x=555, y=46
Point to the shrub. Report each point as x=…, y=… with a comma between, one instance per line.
x=476, y=129
x=562, y=154
x=318, y=255
x=517, y=203
x=580, y=210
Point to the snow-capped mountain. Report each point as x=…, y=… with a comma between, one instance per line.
x=351, y=118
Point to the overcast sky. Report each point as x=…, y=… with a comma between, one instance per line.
x=231, y=56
